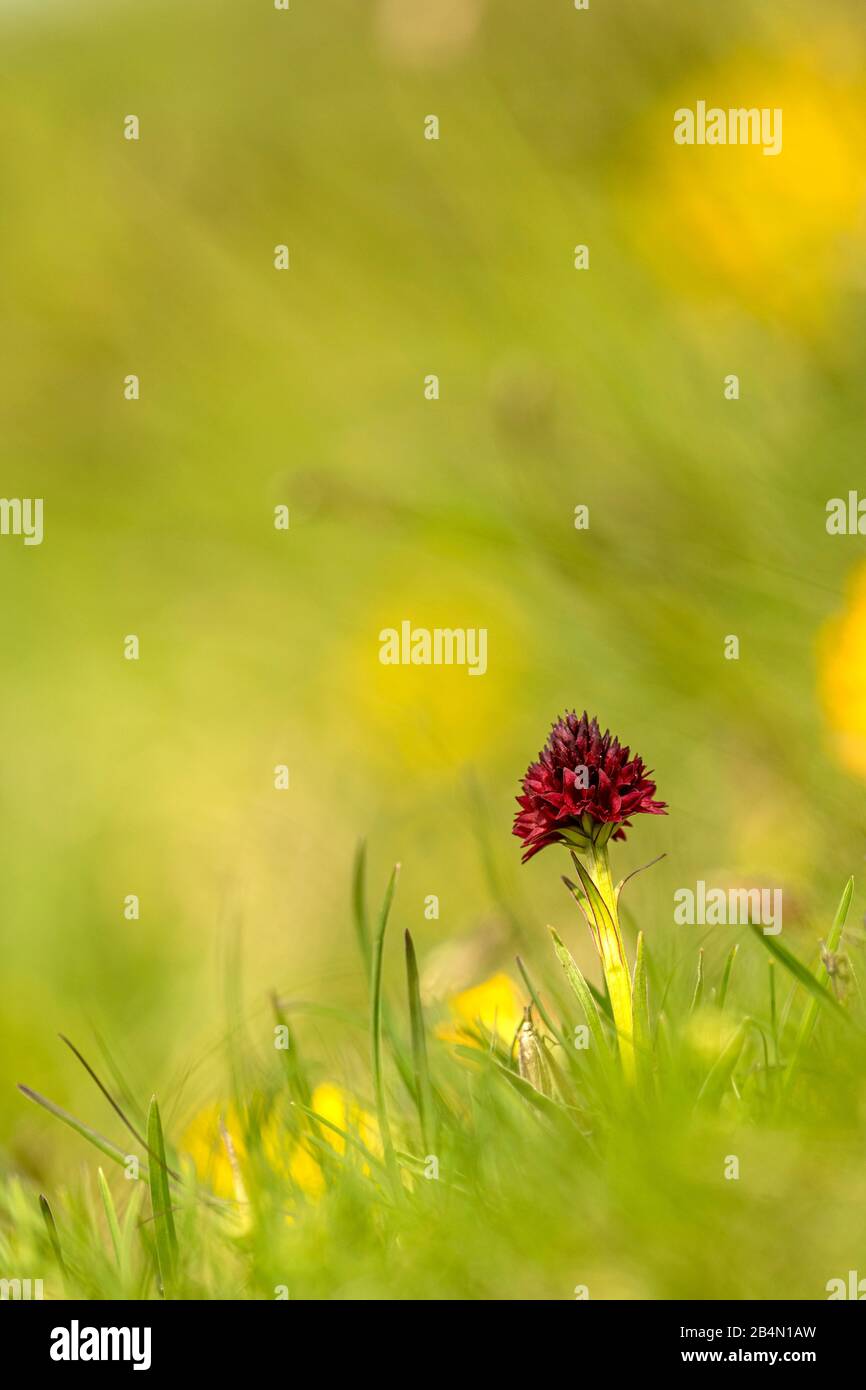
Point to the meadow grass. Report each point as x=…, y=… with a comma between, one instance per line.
x=449, y=1174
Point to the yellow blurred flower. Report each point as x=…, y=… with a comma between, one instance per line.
x=779, y=233
x=493, y=1008
x=214, y=1141
x=434, y=718
x=842, y=677
x=204, y=1143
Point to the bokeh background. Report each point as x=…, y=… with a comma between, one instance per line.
x=306, y=388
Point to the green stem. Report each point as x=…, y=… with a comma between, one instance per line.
x=614, y=961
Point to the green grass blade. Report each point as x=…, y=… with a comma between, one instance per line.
x=296, y=1076
x=160, y=1201
x=130, y=1226
x=699, y=983
x=92, y=1136
x=110, y=1213
x=802, y=974
x=722, y=1069
x=423, y=1087
x=113, y=1103
x=359, y=905
x=642, y=1031
x=818, y=983
x=51, y=1228
x=726, y=975
x=584, y=998
x=376, y=1030
x=604, y=926
x=774, y=1017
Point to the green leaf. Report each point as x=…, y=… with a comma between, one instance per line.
x=604, y=925
x=423, y=1087
x=160, y=1201
x=51, y=1228
x=726, y=975
x=92, y=1136
x=111, y=1101
x=818, y=992
x=359, y=905
x=110, y=1213
x=699, y=983
x=802, y=974
x=719, y=1076
x=583, y=996
x=346, y=1135
x=555, y=1032
x=296, y=1076
x=640, y=994
x=376, y=1031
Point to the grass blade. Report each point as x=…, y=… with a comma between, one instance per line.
x=296, y=1077
x=722, y=1069
x=92, y=1136
x=423, y=1088
x=115, y=1107
x=583, y=996
x=726, y=975
x=376, y=1031
x=160, y=1201
x=110, y=1213
x=359, y=904
x=642, y=1031
x=802, y=974
x=818, y=990
x=699, y=983
x=51, y=1228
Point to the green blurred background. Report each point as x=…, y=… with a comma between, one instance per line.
x=558, y=387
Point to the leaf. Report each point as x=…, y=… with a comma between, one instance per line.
x=582, y=901
x=344, y=1134
x=555, y=1032
x=816, y=986
x=605, y=930
x=376, y=1030
x=640, y=995
x=99, y=1141
x=583, y=996
x=801, y=974
x=722, y=1069
x=112, y=1102
x=51, y=1228
x=160, y=1201
x=726, y=975
x=699, y=983
x=296, y=1077
x=635, y=872
x=423, y=1087
x=130, y=1224
x=110, y=1213
x=359, y=906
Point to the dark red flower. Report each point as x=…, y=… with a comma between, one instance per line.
x=582, y=781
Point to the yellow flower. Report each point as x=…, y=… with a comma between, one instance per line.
x=779, y=233
x=494, y=1007
x=204, y=1143
x=215, y=1137
x=842, y=677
